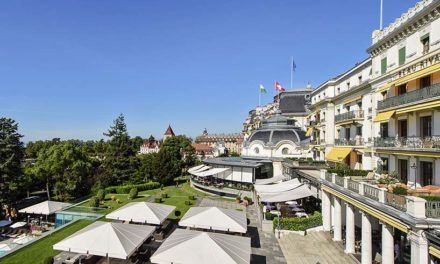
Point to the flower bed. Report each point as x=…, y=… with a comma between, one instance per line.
x=298, y=224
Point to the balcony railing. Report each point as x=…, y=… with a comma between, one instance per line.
x=410, y=97
x=349, y=142
x=396, y=201
x=433, y=209
x=356, y=114
x=339, y=181
x=371, y=192
x=432, y=142
x=353, y=186
x=328, y=177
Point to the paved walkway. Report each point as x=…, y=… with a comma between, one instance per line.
x=315, y=247
x=265, y=247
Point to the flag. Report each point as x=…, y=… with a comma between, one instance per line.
x=293, y=65
x=278, y=87
x=262, y=89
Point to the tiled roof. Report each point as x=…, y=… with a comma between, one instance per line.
x=169, y=131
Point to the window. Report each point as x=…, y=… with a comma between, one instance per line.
x=383, y=65
x=347, y=133
x=403, y=128
x=425, y=82
x=348, y=85
x=425, y=126
x=359, y=131
x=359, y=158
x=384, y=130
x=401, y=89
x=338, y=111
x=384, y=166
x=425, y=43
x=256, y=150
x=285, y=151
x=338, y=89
x=426, y=173
x=360, y=79
x=403, y=170
x=402, y=55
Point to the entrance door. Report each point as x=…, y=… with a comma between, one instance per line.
x=403, y=170
x=426, y=173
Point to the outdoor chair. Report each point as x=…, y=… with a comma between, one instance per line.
x=159, y=236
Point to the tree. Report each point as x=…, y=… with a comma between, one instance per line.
x=146, y=163
x=11, y=155
x=120, y=163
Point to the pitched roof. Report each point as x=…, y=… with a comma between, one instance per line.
x=201, y=147
x=169, y=131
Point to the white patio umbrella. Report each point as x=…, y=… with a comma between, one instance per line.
x=111, y=240
x=195, y=247
x=45, y=208
x=18, y=224
x=142, y=212
x=215, y=218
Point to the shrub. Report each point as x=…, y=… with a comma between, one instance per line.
x=400, y=191
x=158, y=200
x=431, y=198
x=269, y=216
x=94, y=201
x=298, y=224
x=349, y=172
x=133, y=193
x=118, y=201
x=249, y=199
x=48, y=260
x=188, y=203
x=113, y=198
x=101, y=195
x=125, y=189
x=164, y=195
x=191, y=197
x=177, y=213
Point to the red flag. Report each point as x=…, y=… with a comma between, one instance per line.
x=278, y=87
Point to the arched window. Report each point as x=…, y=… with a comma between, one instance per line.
x=285, y=151
x=256, y=150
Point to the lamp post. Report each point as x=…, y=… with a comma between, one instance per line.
x=414, y=166
x=279, y=218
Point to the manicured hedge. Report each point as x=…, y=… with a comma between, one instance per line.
x=349, y=172
x=125, y=189
x=298, y=224
x=400, y=191
x=431, y=198
x=270, y=216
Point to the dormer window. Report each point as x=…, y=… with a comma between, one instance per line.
x=348, y=85
x=339, y=89
x=360, y=79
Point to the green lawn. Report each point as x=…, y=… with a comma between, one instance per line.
x=40, y=250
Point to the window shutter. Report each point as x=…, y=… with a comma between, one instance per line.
x=383, y=66
x=402, y=55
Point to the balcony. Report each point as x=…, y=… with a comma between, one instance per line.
x=359, y=141
x=412, y=97
x=431, y=143
x=313, y=123
x=352, y=115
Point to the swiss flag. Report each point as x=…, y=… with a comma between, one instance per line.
x=278, y=87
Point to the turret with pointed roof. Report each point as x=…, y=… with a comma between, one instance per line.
x=169, y=133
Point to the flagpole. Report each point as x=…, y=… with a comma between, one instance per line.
x=259, y=97
x=381, y=15
x=291, y=74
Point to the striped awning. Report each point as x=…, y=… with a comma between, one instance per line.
x=352, y=100
x=338, y=154
x=384, y=116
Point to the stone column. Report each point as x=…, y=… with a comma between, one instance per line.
x=349, y=229
x=387, y=244
x=419, y=248
x=367, y=253
x=337, y=229
x=325, y=209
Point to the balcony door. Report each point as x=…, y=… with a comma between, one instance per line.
x=425, y=82
x=426, y=173
x=425, y=126
x=403, y=170
x=403, y=128
x=401, y=89
x=347, y=133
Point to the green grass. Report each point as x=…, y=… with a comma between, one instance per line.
x=38, y=251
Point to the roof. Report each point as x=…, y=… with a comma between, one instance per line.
x=301, y=191
x=142, y=212
x=115, y=240
x=294, y=102
x=198, y=147
x=188, y=246
x=234, y=161
x=215, y=218
x=45, y=208
x=169, y=131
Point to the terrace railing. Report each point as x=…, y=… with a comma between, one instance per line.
x=353, y=186
x=359, y=141
x=356, y=114
x=396, y=201
x=371, y=192
x=433, y=209
x=432, y=142
x=339, y=181
x=328, y=177
x=410, y=97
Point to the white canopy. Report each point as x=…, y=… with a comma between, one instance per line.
x=270, y=180
x=142, y=212
x=203, y=168
x=18, y=224
x=210, y=172
x=278, y=187
x=195, y=247
x=196, y=168
x=115, y=240
x=301, y=192
x=215, y=218
x=45, y=208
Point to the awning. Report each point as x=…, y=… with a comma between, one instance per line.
x=215, y=218
x=270, y=180
x=210, y=172
x=45, y=208
x=384, y=116
x=338, y=154
x=203, y=168
x=352, y=100
x=278, y=187
x=410, y=77
x=345, y=123
x=142, y=212
x=309, y=132
x=115, y=240
x=188, y=246
x=298, y=193
x=418, y=107
x=196, y=168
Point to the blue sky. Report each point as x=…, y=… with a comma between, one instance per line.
x=68, y=68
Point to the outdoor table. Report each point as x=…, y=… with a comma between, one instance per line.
x=297, y=209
